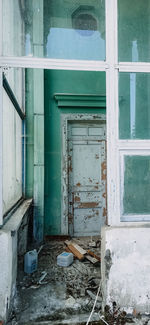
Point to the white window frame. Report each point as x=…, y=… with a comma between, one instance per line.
x=1, y=147
x=112, y=68
x=131, y=153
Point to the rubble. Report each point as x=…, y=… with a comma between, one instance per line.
x=53, y=291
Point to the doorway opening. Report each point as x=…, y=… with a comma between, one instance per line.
x=84, y=203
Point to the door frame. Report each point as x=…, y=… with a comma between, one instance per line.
x=65, y=120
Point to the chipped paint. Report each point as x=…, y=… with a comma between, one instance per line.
x=88, y=205
x=104, y=212
x=78, y=184
x=70, y=212
x=103, y=166
x=77, y=199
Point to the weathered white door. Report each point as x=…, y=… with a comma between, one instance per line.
x=87, y=178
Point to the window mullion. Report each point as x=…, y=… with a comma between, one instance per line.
x=1, y=147
x=1, y=30
x=112, y=121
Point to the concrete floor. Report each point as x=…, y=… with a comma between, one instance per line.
x=66, y=295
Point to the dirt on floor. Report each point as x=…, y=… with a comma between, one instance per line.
x=55, y=293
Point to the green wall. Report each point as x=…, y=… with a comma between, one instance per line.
x=62, y=82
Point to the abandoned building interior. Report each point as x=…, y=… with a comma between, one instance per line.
x=74, y=160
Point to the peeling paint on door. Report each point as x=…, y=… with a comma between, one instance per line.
x=87, y=177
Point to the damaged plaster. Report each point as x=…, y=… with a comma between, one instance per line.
x=125, y=268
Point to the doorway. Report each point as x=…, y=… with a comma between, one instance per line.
x=84, y=198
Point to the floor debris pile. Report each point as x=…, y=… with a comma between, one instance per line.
x=55, y=293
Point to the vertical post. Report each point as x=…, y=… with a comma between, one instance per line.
x=38, y=93
x=1, y=146
x=1, y=119
x=112, y=112
x=23, y=158
x=29, y=133
x=1, y=27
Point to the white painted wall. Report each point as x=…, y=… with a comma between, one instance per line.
x=13, y=44
x=128, y=280
x=16, y=229
x=13, y=31
x=6, y=272
x=12, y=154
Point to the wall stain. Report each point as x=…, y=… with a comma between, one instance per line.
x=108, y=263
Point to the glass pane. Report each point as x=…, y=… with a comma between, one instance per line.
x=136, y=185
x=54, y=29
x=12, y=154
x=134, y=30
x=134, y=105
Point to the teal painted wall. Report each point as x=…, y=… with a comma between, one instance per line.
x=62, y=82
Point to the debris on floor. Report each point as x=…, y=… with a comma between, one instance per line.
x=65, y=259
x=81, y=253
x=56, y=292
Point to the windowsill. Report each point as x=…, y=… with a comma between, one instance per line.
x=15, y=220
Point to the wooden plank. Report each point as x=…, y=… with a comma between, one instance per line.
x=68, y=250
x=93, y=260
x=79, y=248
x=76, y=252
x=94, y=255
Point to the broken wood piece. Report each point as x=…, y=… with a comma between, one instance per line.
x=92, y=244
x=68, y=250
x=76, y=252
x=93, y=260
x=94, y=255
x=68, y=242
x=79, y=248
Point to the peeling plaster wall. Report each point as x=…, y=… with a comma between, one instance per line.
x=13, y=241
x=126, y=268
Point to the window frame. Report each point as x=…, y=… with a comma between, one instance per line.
x=112, y=68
